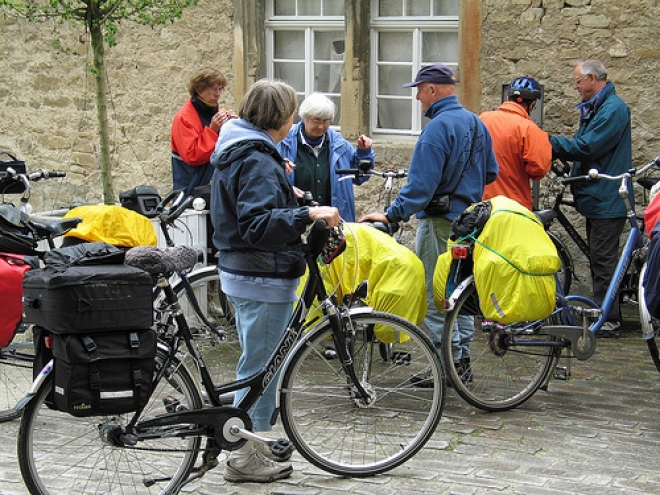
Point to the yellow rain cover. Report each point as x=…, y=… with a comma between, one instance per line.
x=113, y=225
x=394, y=272
x=441, y=277
x=514, y=265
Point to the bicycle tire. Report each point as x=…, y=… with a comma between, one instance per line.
x=565, y=272
x=15, y=374
x=501, y=376
x=343, y=435
x=650, y=326
x=63, y=454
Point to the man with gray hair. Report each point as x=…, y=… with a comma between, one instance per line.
x=603, y=141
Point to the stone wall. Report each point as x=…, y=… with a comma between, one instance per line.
x=47, y=98
x=48, y=115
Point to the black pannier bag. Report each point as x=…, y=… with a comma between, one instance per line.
x=142, y=199
x=103, y=373
x=77, y=299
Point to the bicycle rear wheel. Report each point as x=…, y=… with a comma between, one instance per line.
x=340, y=433
x=15, y=373
x=503, y=372
x=62, y=454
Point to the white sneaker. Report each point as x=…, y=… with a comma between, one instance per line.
x=255, y=468
x=265, y=450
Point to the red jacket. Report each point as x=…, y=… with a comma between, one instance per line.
x=189, y=139
x=522, y=149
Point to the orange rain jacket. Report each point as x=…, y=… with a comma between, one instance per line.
x=522, y=149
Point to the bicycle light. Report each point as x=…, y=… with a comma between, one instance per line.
x=460, y=252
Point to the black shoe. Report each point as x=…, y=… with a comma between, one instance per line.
x=423, y=379
x=464, y=370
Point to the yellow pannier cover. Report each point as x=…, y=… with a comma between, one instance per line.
x=514, y=265
x=394, y=272
x=112, y=224
x=441, y=277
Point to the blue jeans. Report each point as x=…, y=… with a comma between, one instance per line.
x=260, y=325
x=431, y=242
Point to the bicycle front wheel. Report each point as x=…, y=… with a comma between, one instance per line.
x=62, y=454
x=340, y=432
x=15, y=373
x=506, y=366
x=650, y=326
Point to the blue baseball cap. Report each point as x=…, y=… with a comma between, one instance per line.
x=436, y=73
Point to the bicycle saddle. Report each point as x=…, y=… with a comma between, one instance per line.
x=157, y=260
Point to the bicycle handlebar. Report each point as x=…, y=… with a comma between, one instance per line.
x=179, y=205
x=10, y=173
x=594, y=174
x=396, y=174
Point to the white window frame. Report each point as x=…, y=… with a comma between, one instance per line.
x=417, y=25
x=309, y=25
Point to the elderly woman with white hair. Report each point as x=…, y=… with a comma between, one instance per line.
x=317, y=151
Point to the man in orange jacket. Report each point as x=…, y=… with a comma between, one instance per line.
x=522, y=149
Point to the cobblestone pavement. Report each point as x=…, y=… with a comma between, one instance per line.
x=597, y=433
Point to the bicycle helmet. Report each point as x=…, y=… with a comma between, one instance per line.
x=525, y=88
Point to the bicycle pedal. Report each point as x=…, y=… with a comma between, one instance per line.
x=281, y=447
x=172, y=404
x=561, y=373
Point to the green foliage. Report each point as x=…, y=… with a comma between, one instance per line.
x=100, y=13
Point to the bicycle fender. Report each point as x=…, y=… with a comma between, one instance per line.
x=460, y=288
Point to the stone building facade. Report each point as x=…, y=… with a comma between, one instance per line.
x=48, y=115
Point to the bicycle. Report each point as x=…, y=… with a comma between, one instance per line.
x=510, y=362
x=17, y=357
x=352, y=416
x=561, y=169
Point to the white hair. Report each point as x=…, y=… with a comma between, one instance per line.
x=317, y=106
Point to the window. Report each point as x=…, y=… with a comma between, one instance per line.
x=407, y=35
x=305, y=45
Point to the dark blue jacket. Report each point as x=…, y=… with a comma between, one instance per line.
x=603, y=142
x=438, y=164
x=254, y=211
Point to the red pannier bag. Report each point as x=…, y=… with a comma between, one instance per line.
x=12, y=269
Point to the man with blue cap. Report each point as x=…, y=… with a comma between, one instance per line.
x=452, y=162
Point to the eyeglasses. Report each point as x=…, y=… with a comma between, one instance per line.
x=324, y=123
x=578, y=81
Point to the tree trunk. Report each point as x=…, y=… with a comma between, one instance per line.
x=96, y=33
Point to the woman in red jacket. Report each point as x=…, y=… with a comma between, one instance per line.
x=195, y=130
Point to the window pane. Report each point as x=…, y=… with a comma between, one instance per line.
x=309, y=7
x=391, y=79
x=439, y=47
x=395, y=47
x=292, y=73
x=419, y=7
x=334, y=7
x=390, y=8
x=394, y=114
x=327, y=78
x=445, y=7
x=328, y=45
x=289, y=44
x=285, y=7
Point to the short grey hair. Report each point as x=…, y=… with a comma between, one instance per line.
x=317, y=106
x=595, y=67
x=268, y=104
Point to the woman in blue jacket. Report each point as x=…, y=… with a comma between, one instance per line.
x=258, y=225
x=318, y=151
